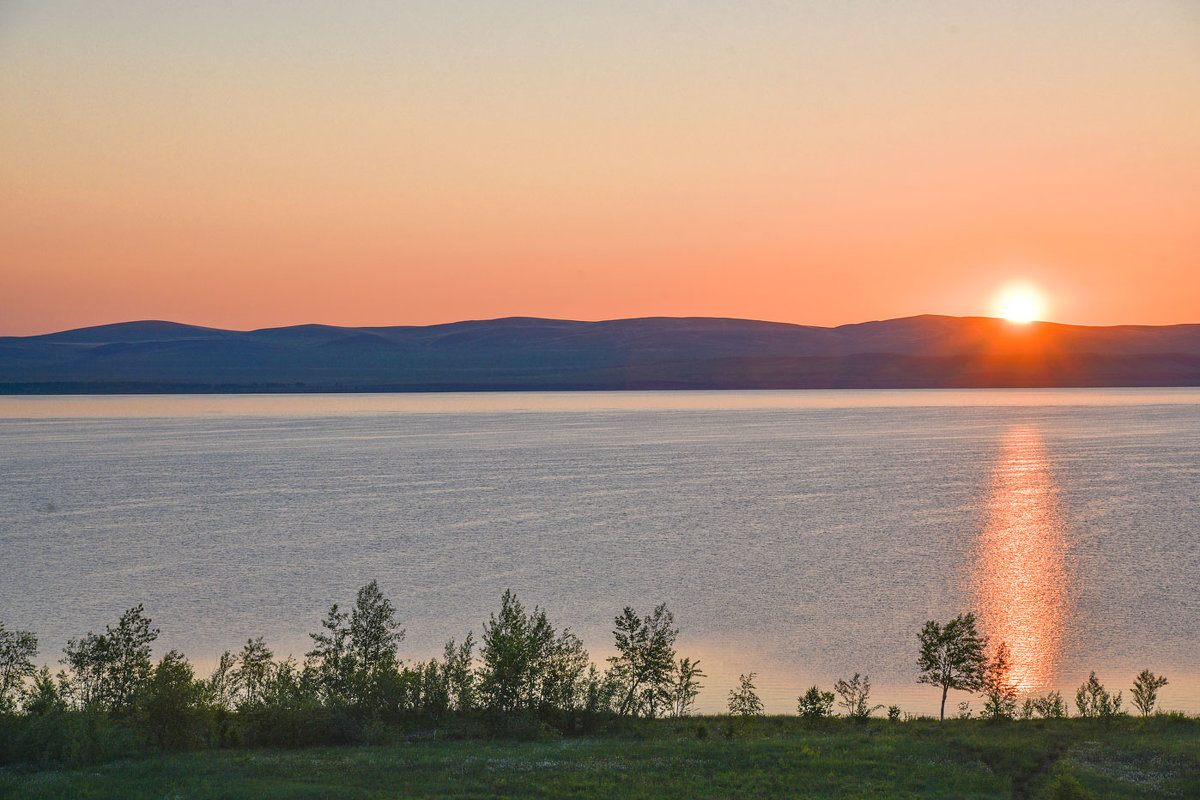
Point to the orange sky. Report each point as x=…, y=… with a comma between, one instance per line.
x=255, y=164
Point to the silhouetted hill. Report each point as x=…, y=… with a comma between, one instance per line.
x=529, y=353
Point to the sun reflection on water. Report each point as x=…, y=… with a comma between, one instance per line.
x=1021, y=573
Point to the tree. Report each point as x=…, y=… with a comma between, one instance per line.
x=744, y=701
x=219, y=687
x=1145, y=691
x=564, y=684
x=514, y=653
x=356, y=654
x=686, y=686
x=457, y=663
x=952, y=656
x=645, y=662
x=44, y=695
x=17, y=649
x=169, y=700
x=855, y=693
x=330, y=657
x=110, y=668
x=815, y=704
x=375, y=634
x=1093, y=700
x=251, y=677
x=1001, y=694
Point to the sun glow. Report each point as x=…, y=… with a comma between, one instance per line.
x=1019, y=303
x=1022, y=576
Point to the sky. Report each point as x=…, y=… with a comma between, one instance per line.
x=251, y=164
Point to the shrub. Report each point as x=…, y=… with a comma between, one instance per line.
x=855, y=693
x=1001, y=702
x=815, y=704
x=744, y=701
x=1093, y=700
x=1052, y=706
x=169, y=705
x=685, y=686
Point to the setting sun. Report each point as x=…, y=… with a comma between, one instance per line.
x=1019, y=303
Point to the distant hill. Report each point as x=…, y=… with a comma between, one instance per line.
x=657, y=352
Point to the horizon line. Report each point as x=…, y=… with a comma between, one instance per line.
x=588, y=322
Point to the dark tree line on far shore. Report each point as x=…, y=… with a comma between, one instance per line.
x=522, y=677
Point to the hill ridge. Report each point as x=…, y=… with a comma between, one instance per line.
x=925, y=350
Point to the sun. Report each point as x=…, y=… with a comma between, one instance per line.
x=1019, y=302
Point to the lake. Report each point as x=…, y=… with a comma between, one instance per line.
x=802, y=536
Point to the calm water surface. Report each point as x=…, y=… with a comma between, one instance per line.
x=803, y=536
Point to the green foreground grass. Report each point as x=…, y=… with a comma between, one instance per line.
x=698, y=757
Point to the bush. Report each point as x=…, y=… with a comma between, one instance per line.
x=815, y=704
x=169, y=706
x=744, y=701
x=1066, y=787
x=69, y=738
x=1093, y=700
x=855, y=693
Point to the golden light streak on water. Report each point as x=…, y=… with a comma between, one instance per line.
x=1021, y=578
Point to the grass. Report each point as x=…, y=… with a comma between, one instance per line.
x=706, y=757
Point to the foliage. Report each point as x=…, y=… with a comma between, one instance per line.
x=354, y=660
x=743, y=700
x=457, y=663
x=815, y=704
x=515, y=652
x=249, y=678
x=219, y=687
x=169, y=703
x=854, y=694
x=17, y=649
x=43, y=697
x=109, y=669
x=375, y=634
x=1145, y=691
x=330, y=657
x=685, y=686
x=1052, y=706
x=952, y=656
x=1067, y=787
x=645, y=662
x=772, y=757
x=564, y=681
x=1093, y=700
x=1001, y=694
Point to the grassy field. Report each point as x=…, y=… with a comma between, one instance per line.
x=693, y=758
